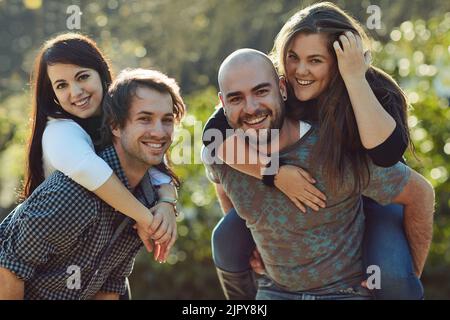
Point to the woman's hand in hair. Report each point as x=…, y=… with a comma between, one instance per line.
x=298, y=185
x=352, y=61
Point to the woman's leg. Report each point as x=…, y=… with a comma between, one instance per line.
x=386, y=246
x=232, y=246
x=232, y=243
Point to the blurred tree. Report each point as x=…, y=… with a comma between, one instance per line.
x=418, y=56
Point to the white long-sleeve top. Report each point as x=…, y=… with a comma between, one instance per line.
x=67, y=147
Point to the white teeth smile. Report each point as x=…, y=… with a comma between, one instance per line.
x=154, y=145
x=81, y=102
x=256, y=120
x=304, y=82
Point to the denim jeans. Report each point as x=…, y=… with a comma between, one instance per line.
x=268, y=290
x=232, y=243
x=385, y=245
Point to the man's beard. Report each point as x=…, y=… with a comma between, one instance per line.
x=261, y=139
x=140, y=157
x=266, y=135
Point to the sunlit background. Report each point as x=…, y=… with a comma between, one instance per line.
x=188, y=40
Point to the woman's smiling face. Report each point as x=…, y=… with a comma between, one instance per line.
x=308, y=65
x=79, y=90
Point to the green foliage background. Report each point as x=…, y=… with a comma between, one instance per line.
x=188, y=40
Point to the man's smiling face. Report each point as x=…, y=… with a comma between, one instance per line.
x=148, y=130
x=250, y=95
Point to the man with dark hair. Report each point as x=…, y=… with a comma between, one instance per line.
x=65, y=243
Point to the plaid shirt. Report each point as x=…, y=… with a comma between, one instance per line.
x=63, y=227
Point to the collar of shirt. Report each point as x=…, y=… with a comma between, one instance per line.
x=144, y=191
x=109, y=154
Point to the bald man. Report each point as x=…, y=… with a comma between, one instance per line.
x=312, y=255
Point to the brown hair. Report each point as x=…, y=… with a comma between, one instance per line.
x=117, y=103
x=339, y=141
x=68, y=48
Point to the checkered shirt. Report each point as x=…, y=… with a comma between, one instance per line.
x=56, y=240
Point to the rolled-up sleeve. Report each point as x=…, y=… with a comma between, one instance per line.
x=115, y=285
x=25, y=245
x=390, y=151
x=22, y=270
x=9, y=259
x=47, y=223
x=116, y=282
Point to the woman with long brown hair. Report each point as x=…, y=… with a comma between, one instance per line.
x=361, y=115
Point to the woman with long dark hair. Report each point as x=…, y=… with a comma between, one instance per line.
x=361, y=115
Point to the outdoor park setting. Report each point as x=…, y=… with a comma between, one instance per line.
x=188, y=40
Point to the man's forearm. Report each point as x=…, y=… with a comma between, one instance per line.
x=11, y=287
x=418, y=223
x=418, y=218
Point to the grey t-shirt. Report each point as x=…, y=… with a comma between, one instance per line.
x=313, y=251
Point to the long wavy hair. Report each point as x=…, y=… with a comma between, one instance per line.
x=67, y=48
x=339, y=142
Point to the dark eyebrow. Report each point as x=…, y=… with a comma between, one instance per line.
x=309, y=57
x=262, y=85
x=76, y=75
x=140, y=113
x=233, y=94
x=256, y=88
x=60, y=80
x=316, y=56
x=80, y=72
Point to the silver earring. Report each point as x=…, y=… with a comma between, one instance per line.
x=56, y=101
